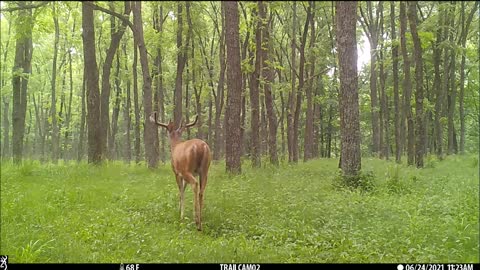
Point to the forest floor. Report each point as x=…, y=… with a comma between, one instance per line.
x=73, y=213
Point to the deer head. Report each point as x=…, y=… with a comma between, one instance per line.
x=189, y=158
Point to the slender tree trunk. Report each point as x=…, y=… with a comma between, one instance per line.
x=82, y=120
x=384, y=112
x=268, y=76
x=254, y=91
x=348, y=97
x=451, y=96
x=309, y=148
x=126, y=112
x=53, y=110
x=396, y=96
x=232, y=122
x=180, y=66
x=116, y=111
x=159, y=97
x=420, y=128
x=291, y=100
x=93, y=93
x=438, y=86
x=407, y=85
x=219, y=99
x=135, y=104
x=150, y=134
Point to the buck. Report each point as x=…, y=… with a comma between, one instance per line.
x=188, y=158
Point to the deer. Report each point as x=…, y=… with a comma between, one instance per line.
x=189, y=158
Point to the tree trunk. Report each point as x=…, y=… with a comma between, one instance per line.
x=219, y=141
x=180, y=66
x=254, y=91
x=150, y=133
x=407, y=85
x=268, y=76
x=107, y=66
x=93, y=95
x=384, y=121
x=420, y=128
x=159, y=97
x=81, y=138
x=126, y=112
x=452, y=91
x=116, y=112
x=135, y=103
x=234, y=75
x=309, y=148
x=438, y=86
x=348, y=96
x=53, y=110
x=291, y=100
x=396, y=96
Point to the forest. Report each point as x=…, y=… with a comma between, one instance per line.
x=335, y=131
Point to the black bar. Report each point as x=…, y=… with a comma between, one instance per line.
x=249, y=266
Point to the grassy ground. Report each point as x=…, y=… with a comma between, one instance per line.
x=113, y=213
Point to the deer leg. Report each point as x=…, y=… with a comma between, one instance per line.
x=181, y=187
x=196, y=199
x=203, y=184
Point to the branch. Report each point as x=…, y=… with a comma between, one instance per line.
x=123, y=18
x=21, y=7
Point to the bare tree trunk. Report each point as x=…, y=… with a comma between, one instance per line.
x=291, y=100
x=420, y=128
x=81, y=138
x=396, y=96
x=219, y=99
x=116, y=112
x=348, y=98
x=126, y=112
x=135, y=103
x=53, y=110
x=232, y=117
x=254, y=91
x=384, y=123
x=93, y=94
x=442, y=19
x=150, y=133
x=107, y=66
x=309, y=148
x=180, y=66
x=268, y=76
x=451, y=94
x=407, y=85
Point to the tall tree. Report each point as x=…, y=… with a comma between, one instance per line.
x=268, y=76
x=254, y=90
x=452, y=92
x=180, y=66
x=150, y=133
x=234, y=83
x=346, y=14
x=417, y=52
x=291, y=96
x=53, y=110
x=370, y=24
x=407, y=85
x=21, y=70
x=93, y=93
x=309, y=128
x=116, y=36
x=396, y=95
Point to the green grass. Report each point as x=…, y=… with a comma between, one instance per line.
x=70, y=213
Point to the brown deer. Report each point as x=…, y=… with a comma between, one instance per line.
x=189, y=158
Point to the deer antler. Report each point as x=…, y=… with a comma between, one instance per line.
x=193, y=123
x=153, y=119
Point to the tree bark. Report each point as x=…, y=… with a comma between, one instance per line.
x=348, y=98
x=234, y=75
x=254, y=91
x=135, y=104
x=126, y=112
x=451, y=96
x=309, y=147
x=407, y=85
x=91, y=77
x=291, y=100
x=396, y=96
x=219, y=99
x=53, y=109
x=150, y=134
x=180, y=66
x=420, y=128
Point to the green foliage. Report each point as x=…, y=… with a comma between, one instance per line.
x=364, y=181
x=79, y=213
